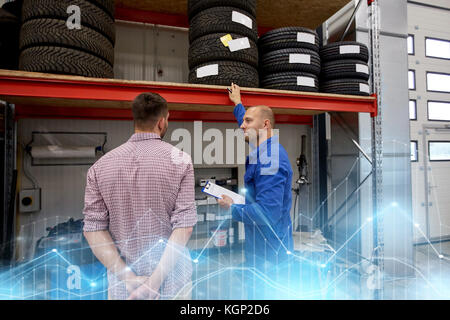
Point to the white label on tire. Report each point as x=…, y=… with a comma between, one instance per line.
x=242, y=19
x=362, y=68
x=209, y=70
x=299, y=58
x=364, y=88
x=305, y=81
x=306, y=37
x=238, y=44
x=348, y=49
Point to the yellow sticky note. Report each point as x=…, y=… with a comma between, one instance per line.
x=225, y=39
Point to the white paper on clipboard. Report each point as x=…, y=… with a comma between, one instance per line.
x=217, y=191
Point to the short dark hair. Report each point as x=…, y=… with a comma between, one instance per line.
x=148, y=108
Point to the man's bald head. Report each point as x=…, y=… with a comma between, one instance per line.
x=264, y=113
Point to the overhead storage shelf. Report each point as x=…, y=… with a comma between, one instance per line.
x=56, y=96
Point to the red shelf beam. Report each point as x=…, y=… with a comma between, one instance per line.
x=288, y=106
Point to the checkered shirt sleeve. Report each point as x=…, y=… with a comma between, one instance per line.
x=96, y=216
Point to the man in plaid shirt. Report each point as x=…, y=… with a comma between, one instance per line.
x=140, y=210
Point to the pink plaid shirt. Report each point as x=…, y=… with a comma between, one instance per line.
x=140, y=192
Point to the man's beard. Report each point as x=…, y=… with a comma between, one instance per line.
x=163, y=133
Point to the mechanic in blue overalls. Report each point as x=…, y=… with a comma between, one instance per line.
x=268, y=198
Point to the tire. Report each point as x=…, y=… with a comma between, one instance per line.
x=54, y=32
x=61, y=60
x=287, y=38
x=229, y=71
x=92, y=16
x=289, y=81
x=278, y=61
x=210, y=48
x=332, y=51
x=195, y=6
x=345, y=69
x=345, y=86
x=219, y=20
x=107, y=5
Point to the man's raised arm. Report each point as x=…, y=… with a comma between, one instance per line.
x=235, y=97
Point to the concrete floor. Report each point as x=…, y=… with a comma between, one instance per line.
x=219, y=277
x=222, y=277
x=432, y=276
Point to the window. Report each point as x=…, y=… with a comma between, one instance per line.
x=439, y=111
x=438, y=82
x=439, y=150
x=414, y=151
x=412, y=80
x=437, y=48
x=412, y=110
x=410, y=44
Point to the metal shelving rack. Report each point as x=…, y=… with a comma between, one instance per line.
x=377, y=143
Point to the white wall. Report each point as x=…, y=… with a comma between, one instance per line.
x=396, y=230
x=143, y=50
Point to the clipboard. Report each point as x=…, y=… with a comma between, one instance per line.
x=217, y=191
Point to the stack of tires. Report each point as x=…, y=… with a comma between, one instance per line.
x=289, y=59
x=345, y=69
x=74, y=37
x=222, y=37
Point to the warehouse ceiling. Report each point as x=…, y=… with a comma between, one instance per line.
x=270, y=13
